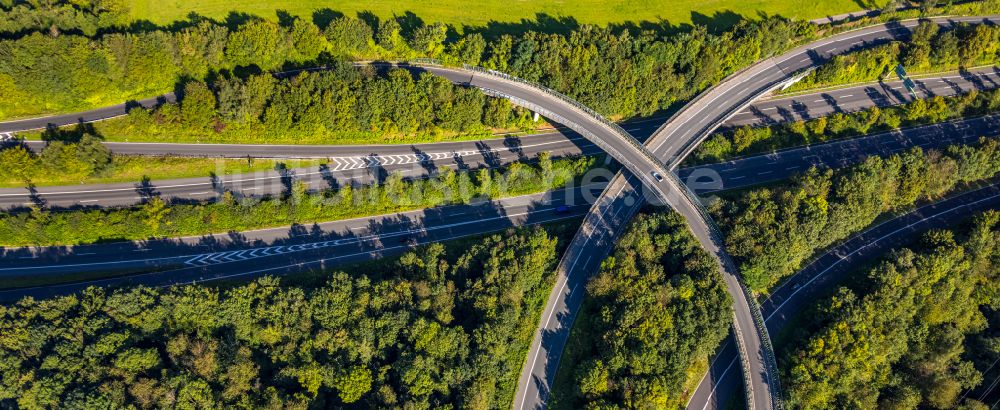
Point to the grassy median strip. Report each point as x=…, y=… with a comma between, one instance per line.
x=84, y=159
x=133, y=168
x=157, y=218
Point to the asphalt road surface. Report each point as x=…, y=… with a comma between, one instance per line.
x=676, y=139
x=96, y=114
x=777, y=109
x=814, y=104
x=815, y=281
x=220, y=250
x=619, y=145
x=783, y=164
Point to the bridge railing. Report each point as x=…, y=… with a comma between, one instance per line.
x=576, y=104
x=619, y=156
x=716, y=236
x=745, y=102
x=758, y=318
x=617, y=129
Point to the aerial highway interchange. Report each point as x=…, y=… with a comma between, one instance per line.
x=731, y=102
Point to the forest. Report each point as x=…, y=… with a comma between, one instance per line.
x=930, y=49
x=748, y=140
x=618, y=71
x=298, y=205
x=771, y=231
x=914, y=331
x=656, y=310
x=432, y=330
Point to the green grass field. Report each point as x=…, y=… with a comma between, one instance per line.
x=132, y=168
x=482, y=12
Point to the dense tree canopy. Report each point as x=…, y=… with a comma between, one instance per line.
x=433, y=330
x=898, y=339
x=771, y=231
x=657, y=308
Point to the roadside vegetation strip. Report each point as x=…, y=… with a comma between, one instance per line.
x=931, y=48
x=157, y=218
x=657, y=309
x=911, y=9
x=436, y=328
x=915, y=317
x=772, y=231
x=749, y=140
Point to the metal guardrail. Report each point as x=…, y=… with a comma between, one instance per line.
x=691, y=144
x=758, y=318
x=612, y=126
x=716, y=236
x=565, y=121
x=702, y=95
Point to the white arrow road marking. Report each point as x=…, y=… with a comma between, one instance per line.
x=355, y=164
x=360, y=162
x=197, y=260
x=215, y=258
